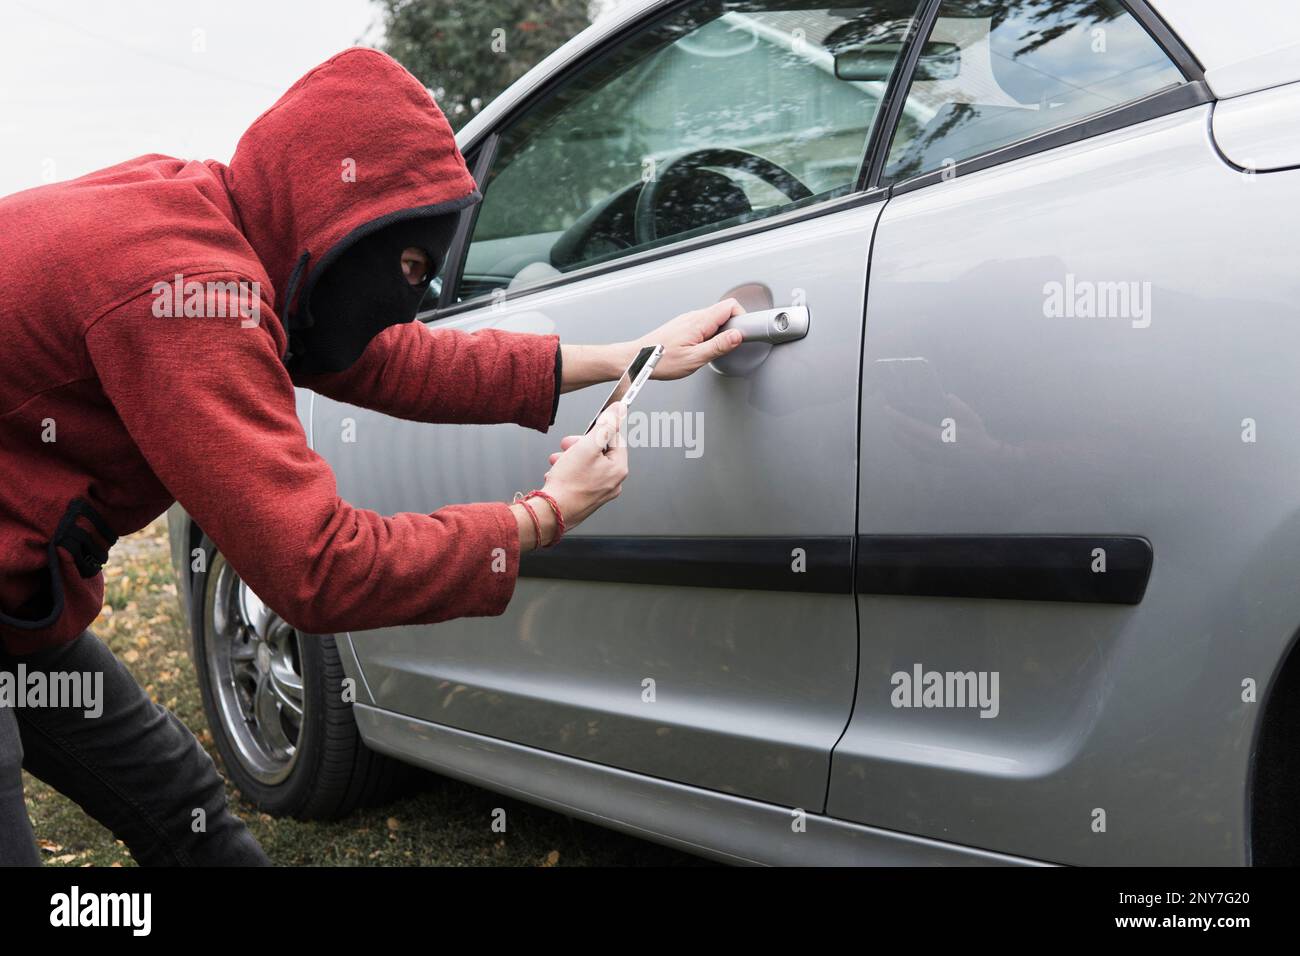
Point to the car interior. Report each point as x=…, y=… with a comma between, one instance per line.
x=603, y=167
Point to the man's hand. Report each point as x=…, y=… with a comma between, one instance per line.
x=587, y=472
x=691, y=340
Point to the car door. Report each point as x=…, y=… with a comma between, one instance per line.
x=1051, y=432
x=701, y=628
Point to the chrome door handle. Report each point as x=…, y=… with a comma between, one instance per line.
x=772, y=326
x=762, y=330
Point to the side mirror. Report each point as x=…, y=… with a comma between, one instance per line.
x=938, y=61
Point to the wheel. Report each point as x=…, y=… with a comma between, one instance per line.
x=275, y=701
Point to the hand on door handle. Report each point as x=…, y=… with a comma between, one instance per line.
x=762, y=330
x=772, y=326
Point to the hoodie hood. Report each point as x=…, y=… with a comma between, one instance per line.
x=356, y=145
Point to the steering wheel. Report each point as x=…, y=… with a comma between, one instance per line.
x=778, y=177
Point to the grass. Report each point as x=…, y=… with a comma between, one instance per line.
x=446, y=823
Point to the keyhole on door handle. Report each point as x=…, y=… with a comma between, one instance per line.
x=762, y=330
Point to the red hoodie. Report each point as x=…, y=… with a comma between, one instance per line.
x=105, y=403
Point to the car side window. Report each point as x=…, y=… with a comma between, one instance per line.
x=994, y=72
x=724, y=112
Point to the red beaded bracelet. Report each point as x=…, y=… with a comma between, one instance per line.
x=537, y=525
x=555, y=506
x=522, y=498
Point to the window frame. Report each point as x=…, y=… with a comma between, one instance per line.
x=479, y=160
x=1194, y=91
x=486, y=147
x=866, y=190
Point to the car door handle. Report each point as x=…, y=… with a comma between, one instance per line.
x=762, y=330
x=772, y=326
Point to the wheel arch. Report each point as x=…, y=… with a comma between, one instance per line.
x=1273, y=795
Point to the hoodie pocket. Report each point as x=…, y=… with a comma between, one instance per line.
x=46, y=606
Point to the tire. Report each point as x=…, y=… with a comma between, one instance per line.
x=274, y=699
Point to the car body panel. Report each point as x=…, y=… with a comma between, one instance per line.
x=1125, y=424
x=751, y=688
x=1260, y=131
x=717, y=825
x=1244, y=46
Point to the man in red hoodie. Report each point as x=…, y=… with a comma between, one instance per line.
x=123, y=389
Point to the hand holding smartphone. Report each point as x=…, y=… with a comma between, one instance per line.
x=629, y=383
x=584, y=476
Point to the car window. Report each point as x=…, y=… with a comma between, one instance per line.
x=722, y=113
x=994, y=73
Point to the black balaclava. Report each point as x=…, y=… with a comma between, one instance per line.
x=362, y=292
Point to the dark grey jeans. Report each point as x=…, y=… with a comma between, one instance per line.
x=135, y=768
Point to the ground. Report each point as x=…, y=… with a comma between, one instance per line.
x=445, y=823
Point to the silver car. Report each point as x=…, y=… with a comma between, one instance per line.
x=995, y=564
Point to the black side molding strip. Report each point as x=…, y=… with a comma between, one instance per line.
x=819, y=565
x=1010, y=567
x=1007, y=567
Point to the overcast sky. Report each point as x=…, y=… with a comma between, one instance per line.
x=84, y=84
x=88, y=84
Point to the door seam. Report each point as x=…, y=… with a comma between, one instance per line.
x=857, y=508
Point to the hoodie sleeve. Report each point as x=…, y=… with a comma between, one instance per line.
x=450, y=376
x=211, y=408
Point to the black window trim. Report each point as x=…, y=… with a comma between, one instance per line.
x=900, y=85
x=741, y=230
x=1174, y=48
x=484, y=157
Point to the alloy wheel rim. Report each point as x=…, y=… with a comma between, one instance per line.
x=255, y=662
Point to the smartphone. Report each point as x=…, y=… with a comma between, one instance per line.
x=630, y=382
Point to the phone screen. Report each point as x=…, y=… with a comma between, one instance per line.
x=624, y=383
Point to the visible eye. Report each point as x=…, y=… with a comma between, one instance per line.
x=415, y=265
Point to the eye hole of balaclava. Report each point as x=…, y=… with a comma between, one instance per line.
x=364, y=291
